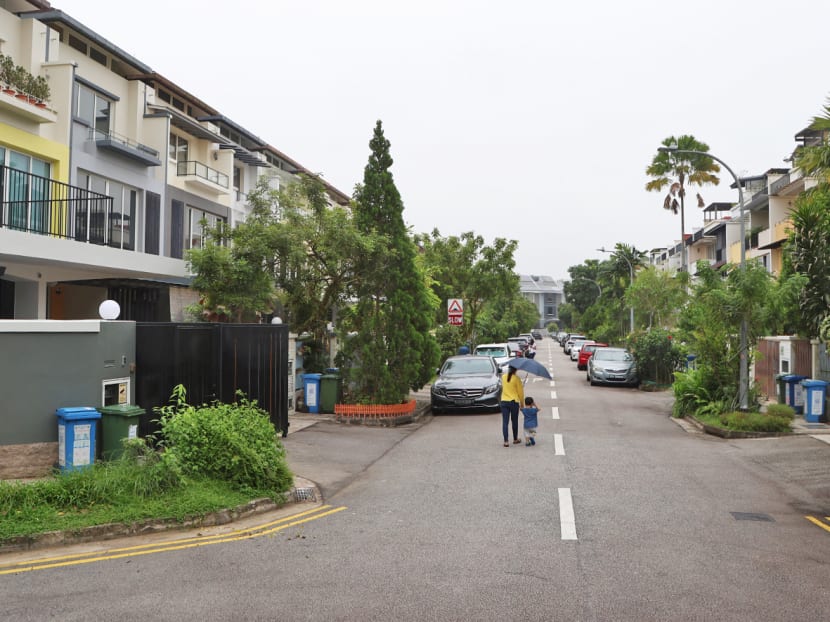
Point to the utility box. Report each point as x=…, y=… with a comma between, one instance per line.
x=118, y=422
x=76, y=437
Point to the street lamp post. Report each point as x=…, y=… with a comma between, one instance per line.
x=631, y=272
x=743, y=386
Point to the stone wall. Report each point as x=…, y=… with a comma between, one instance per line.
x=27, y=461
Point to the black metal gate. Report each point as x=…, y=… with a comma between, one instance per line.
x=213, y=362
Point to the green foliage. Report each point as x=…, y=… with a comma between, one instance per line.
x=449, y=339
x=749, y=422
x=781, y=410
x=698, y=388
x=231, y=442
x=658, y=356
x=481, y=275
x=658, y=295
x=502, y=319
x=808, y=254
x=392, y=350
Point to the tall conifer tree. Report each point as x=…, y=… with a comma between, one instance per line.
x=393, y=350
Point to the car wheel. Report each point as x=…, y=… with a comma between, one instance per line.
x=435, y=410
x=593, y=384
x=587, y=377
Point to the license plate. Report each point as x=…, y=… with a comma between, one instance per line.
x=464, y=402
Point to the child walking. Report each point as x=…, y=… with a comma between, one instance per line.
x=530, y=412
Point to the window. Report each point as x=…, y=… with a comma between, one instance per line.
x=93, y=109
x=75, y=42
x=177, y=149
x=27, y=191
x=116, y=228
x=196, y=233
x=98, y=56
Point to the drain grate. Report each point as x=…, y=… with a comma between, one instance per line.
x=763, y=518
x=304, y=494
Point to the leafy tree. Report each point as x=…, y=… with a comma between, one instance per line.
x=808, y=254
x=230, y=272
x=657, y=295
x=502, y=319
x=393, y=350
x=675, y=171
x=465, y=267
x=583, y=289
x=814, y=160
x=711, y=322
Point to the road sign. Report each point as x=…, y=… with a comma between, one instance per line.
x=455, y=312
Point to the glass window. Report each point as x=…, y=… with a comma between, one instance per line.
x=195, y=230
x=177, y=148
x=93, y=109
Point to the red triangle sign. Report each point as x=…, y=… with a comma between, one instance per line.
x=454, y=306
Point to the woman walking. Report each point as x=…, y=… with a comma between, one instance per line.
x=512, y=397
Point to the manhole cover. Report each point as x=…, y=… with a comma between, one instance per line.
x=304, y=494
x=764, y=518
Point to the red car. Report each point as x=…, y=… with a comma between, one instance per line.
x=586, y=352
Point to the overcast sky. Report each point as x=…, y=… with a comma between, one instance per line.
x=531, y=120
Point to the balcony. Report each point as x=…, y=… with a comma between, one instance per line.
x=43, y=206
x=122, y=145
x=25, y=108
x=201, y=175
x=775, y=187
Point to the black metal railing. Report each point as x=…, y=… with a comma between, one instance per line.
x=44, y=206
x=197, y=169
x=98, y=135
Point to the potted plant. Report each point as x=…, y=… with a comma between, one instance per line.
x=39, y=90
x=20, y=78
x=7, y=74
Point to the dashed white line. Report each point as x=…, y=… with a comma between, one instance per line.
x=553, y=395
x=555, y=411
x=567, y=521
x=558, y=445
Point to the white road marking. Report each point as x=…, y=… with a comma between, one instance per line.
x=555, y=411
x=553, y=395
x=567, y=522
x=558, y=445
x=552, y=384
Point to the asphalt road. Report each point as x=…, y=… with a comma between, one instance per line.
x=618, y=513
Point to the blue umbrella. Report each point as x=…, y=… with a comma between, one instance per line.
x=531, y=366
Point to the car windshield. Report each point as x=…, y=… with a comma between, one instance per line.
x=463, y=367
x=606, y=354
x=496, y=351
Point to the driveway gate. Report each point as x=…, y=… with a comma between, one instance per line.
x=212, y=361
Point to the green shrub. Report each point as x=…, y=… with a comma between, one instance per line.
x=754, y=422
x=658, y=356
x=781, y=410
x=232, y=442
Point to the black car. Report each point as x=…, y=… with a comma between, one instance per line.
x=466, y=382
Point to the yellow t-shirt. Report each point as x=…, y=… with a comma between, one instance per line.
x=512, y=390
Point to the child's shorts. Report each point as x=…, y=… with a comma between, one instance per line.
x=530, y=432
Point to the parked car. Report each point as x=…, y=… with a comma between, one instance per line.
x=576, y=347
x=571, y=338
x=521, y=341
x=499, y=351
x=537, y=334
x=585, y=353
x=466, y=382
x=515, y=348
x=612, y=366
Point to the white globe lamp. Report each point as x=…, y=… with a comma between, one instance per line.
x=109, y=310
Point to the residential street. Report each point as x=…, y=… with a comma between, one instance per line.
x=619, y=513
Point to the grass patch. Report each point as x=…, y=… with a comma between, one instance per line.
x=106, y=493
x=748, y=421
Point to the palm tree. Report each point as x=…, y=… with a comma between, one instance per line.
x=814, y=160
x=675, y=170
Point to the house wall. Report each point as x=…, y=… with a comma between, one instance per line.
x=48, y=365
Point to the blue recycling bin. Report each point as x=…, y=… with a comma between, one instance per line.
x=76, y=437
x=311, y=392
x=795, y=393
x=814, y=400
x=690, y=361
